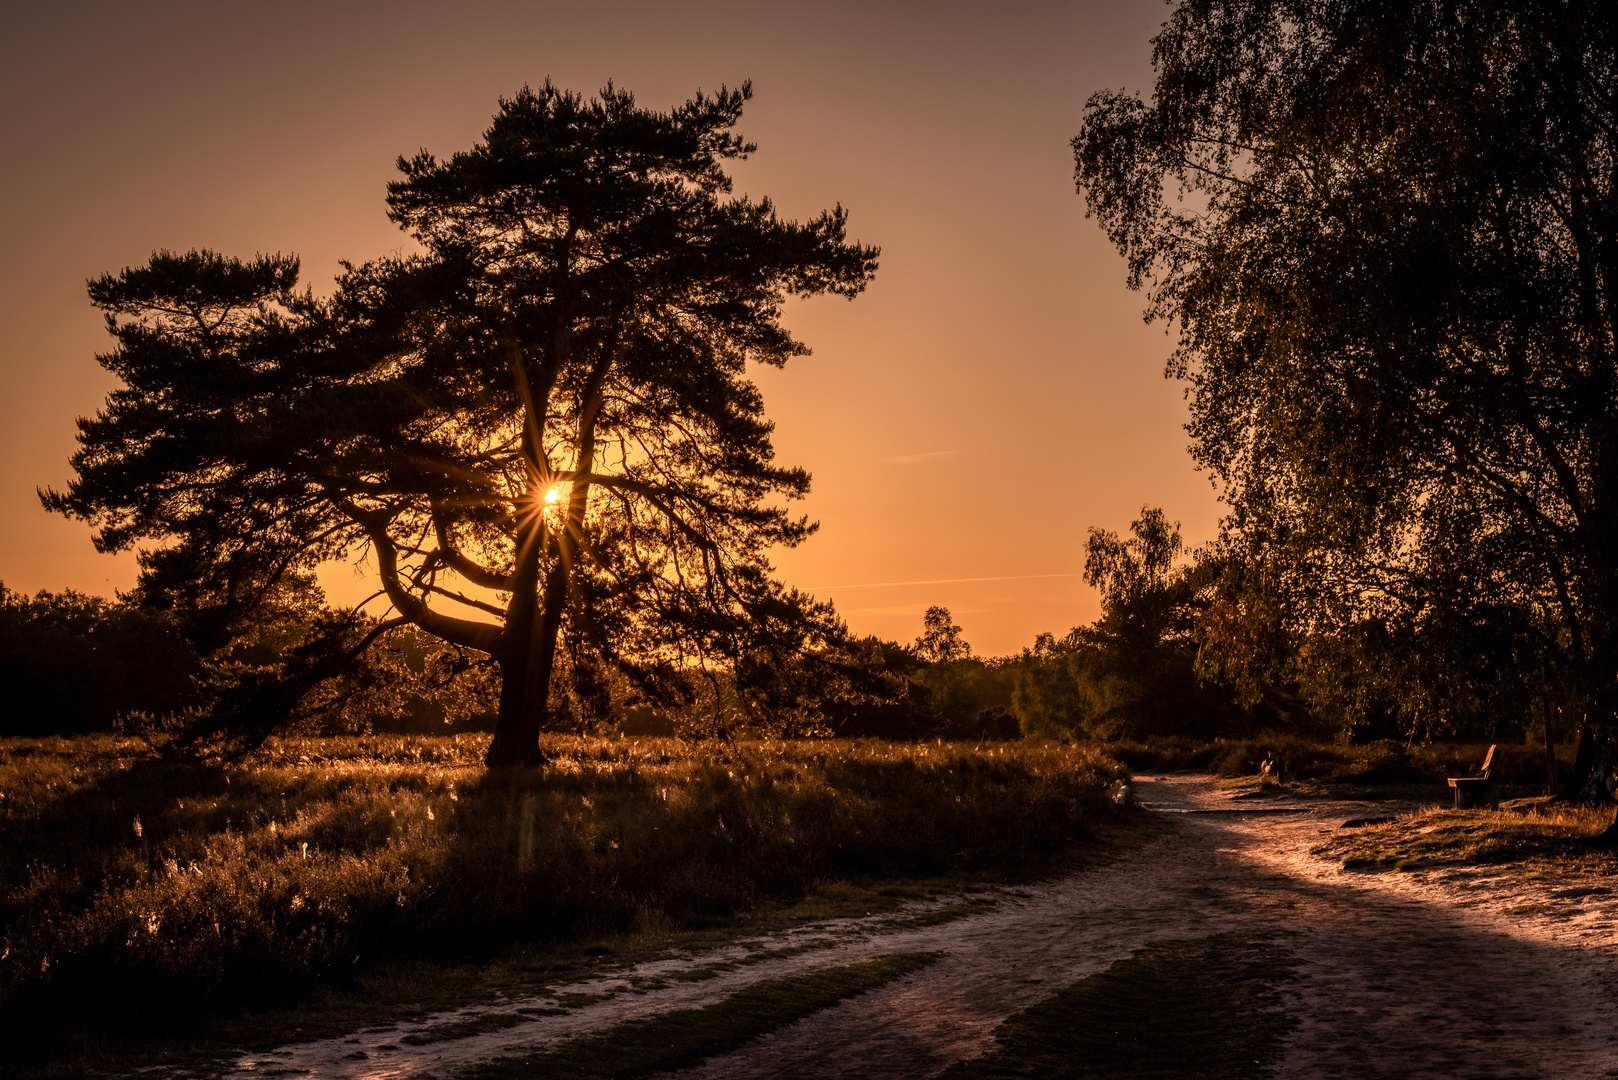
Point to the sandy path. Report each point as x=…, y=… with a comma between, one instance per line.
x=1424, y=975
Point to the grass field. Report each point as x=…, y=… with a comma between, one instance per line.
x=142, y=898
x=1551, y=838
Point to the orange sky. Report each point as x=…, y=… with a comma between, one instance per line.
x=990, y=398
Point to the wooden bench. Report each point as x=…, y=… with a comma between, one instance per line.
x=1476, y=791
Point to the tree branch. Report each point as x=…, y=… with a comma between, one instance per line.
x=484, y=637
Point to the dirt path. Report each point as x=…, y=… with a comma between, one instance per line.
x=1442, y=975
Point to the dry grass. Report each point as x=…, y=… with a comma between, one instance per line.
x=149, y=895
x=1551, y=836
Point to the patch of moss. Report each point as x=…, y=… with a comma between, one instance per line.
x=1206, y=1009
x=688, y=1037
x=480, y=1024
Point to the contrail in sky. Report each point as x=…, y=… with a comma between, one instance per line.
x=939, y=581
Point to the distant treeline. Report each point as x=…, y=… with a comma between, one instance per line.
x=75, y=664
x=72, y=664
x=1156, y=664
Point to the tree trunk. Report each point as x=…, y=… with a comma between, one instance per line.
x=530, y=658
x=558, y=587
x=516, y=728
x=1592, y=781
x=1550, y=752
x=525, y=672
x=542, y=650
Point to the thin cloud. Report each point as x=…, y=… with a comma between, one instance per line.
x=911, y=459
x=937, y=581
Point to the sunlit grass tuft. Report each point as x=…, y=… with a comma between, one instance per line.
x=146, y=894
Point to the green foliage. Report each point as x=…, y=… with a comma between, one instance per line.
x=955, y=695
x=971, y=697
x=1132, y=673
x=150, y=894
x=76, y=664
x=72, y=663
x=847, y=686
x=885, y=697
x=863, y=687
x=1144, y=600
x=407, y=682
x=1084, y=686
x=1383, y=231
x=1470, y=667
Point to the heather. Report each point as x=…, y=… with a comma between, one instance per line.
x=139, y=894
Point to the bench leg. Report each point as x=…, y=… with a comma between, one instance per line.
x=1472, y=795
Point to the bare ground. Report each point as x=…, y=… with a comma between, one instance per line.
x=1442, y=974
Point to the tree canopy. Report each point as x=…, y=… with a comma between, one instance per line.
x=1388, y=236
x=1131, y=674
x=539, y=428
x=941, y=640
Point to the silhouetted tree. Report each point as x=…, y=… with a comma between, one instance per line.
x=969, y=696
x=1131, y=673
x=839, y=685
x=1143, y=594
x=941, y=641
x=1455, y=662
x=1386, y=233
x=542, y=423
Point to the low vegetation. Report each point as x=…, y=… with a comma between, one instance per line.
x=1552, y=838
x=151, y=894
x=1209, y=1009
x=1368, y=765
x=687, y=1037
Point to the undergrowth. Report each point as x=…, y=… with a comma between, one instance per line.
x=139, y=896
x=1371, y=764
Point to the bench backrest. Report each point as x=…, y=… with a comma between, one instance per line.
x=1488, y=764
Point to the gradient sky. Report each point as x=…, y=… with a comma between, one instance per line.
x=990, y=398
